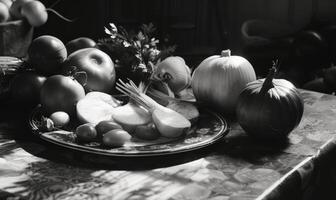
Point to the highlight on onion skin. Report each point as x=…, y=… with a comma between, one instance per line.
x=269, y=108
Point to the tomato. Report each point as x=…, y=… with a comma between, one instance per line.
x=25, y=89
x=61, y=93
x=105, y=126
x=116, y=138
x=35, y=13
x=46, y=54
x=86, y=133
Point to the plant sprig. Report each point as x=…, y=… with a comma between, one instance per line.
x=135, y=52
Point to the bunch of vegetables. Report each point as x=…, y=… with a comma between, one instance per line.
x=77, y=88
x=76, y=83
x=31, y=10
x=265, y=108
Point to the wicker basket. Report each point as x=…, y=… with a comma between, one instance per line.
x=15, y=38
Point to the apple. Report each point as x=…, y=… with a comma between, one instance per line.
x=46, y=54
x=15, y=9
x=79, y=43
x=4, y=12
x=98, y=66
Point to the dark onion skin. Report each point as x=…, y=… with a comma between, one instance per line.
x=269, y=108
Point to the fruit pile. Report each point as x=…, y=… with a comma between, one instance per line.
x=31, y=10
x=79, y=89
x=75, y=82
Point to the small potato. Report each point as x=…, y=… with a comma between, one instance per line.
x=86, y=133
x=60, y=119
x=105, y=126
x=116, y=138
x=147, y=132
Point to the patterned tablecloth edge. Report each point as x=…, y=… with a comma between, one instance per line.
x=304, y=169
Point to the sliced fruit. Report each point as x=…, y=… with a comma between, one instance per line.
x=130, y=116
x=96, y=107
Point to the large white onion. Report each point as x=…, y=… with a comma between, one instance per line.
x=219, y=79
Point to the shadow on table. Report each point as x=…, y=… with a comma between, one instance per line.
x=236, y=144
x=239, y=145
x=89, y=160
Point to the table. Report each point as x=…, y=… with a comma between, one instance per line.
x=237, y=167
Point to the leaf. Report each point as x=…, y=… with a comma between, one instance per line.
x=71, y=71
x=81, y=77
x=132, y=48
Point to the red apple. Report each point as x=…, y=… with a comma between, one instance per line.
x=98, y=66
x=79, y=43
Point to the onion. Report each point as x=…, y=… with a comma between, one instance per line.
x=167, y=121
x=269, y=108
x=218, y=81
x=174, y=71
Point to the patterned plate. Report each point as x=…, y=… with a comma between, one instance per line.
x=209, y=128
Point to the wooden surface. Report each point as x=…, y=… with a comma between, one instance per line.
x=237, y=167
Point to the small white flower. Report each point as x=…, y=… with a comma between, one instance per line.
x=141, y=36
x=126, y=44
x=154, y=41
x=153, y=53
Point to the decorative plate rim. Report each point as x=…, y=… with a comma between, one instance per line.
x=224, y=129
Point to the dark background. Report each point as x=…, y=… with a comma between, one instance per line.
x=198, y=27
x=201, y=28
